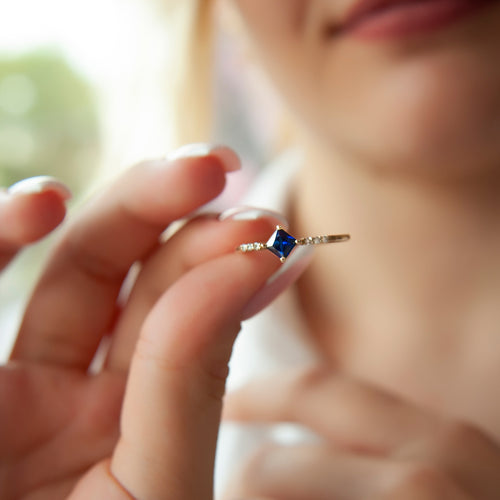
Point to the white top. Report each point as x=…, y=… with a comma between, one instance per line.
x=274, y=339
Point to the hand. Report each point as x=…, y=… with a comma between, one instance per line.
x=144, y=426
x=376, y=446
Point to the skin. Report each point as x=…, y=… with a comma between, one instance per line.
x=70, y=433
x=146, y=424
x=422, y=213
x=420, y=106
x=402, y=150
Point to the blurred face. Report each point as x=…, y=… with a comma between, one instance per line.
x=413, y=85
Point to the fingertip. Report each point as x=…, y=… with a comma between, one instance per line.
x=164, y=190
x=40, y=184
x=216, y=292
x=228, y=157
x=211, y=176
x=29, y=216
x=51, y=208
x=282, y=279
x=225, y=155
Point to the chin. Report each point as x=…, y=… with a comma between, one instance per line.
x=444, y=147
x=433, y=157
x=441, y=121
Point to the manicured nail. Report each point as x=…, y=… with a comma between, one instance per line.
x=40, y=184
x=289, y=272
x=226, y=155
x=282, y=279
x=252, y=213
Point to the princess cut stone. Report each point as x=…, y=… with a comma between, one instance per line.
x=281, y=244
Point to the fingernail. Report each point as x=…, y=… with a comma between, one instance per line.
x=286, y=275
x=252, y=213
x=227, y=156
x=40, y=184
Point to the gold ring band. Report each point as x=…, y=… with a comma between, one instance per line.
x=281, y=243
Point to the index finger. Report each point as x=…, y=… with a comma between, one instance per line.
x=74, y=303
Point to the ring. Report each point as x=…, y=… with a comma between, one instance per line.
x=281, y=243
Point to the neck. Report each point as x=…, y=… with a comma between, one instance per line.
x=418, y=282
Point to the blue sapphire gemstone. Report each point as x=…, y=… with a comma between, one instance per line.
x=281, y=243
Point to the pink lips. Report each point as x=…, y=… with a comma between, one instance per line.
x=385, y=19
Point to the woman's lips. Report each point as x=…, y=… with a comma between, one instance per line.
x=386, y=19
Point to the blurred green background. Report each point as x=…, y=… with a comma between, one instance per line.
x=81, y=98
x=48, y=120
x=49, y=125
x=86, y=90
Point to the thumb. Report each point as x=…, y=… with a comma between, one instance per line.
x=173, y=400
